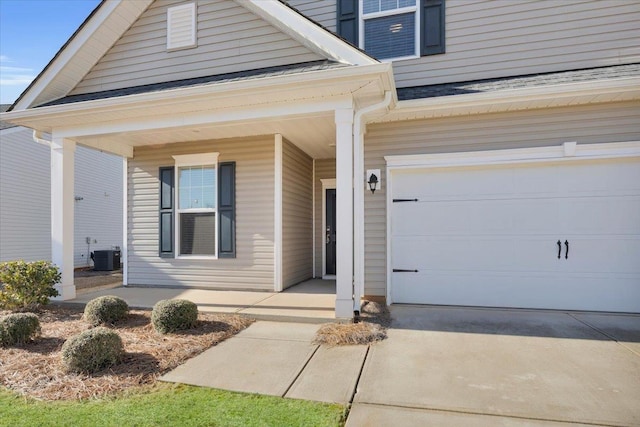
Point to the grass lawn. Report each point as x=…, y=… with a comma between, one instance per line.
x=170, y=405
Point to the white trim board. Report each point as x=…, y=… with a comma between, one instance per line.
x=566, y=152
x=327, y=184
x=277, y=215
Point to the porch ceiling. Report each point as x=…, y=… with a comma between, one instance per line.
x=314, y=134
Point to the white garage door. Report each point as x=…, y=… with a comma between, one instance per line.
x=562, y=235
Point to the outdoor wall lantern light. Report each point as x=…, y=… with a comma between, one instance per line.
x=373, y=180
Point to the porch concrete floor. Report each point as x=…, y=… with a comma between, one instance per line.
x=312, y=301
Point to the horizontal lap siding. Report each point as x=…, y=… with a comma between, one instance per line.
x=25, y=199
x=587, y=124
x=297, y=246
x=253, y=266
x=487, y=39
x=230, y=39
x=324, y=169
x=321, y=11
x=99, y=214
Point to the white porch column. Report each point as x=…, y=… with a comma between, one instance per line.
x=344, y=213
x=62, y=204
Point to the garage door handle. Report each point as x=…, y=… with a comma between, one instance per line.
x=566, y=254
x=400, y=270
x=559, y=248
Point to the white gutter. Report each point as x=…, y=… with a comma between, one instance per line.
x=38, y=137
x=359, y=129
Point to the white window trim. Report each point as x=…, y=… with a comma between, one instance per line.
x=409, y=9
x=193, y=42
x=186, y=160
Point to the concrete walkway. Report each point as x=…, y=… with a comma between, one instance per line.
x=446, y=367
x=312, y=301
x=277, y=359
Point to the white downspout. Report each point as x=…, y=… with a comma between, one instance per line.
x=37, y=137
x=359, y=127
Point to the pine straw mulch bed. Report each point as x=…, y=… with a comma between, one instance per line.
x=371, y=327
x=35, y=369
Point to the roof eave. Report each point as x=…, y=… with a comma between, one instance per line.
x=611, y=90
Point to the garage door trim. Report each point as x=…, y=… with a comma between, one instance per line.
x=567, y=152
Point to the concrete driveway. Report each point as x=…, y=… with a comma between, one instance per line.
x=476, y=367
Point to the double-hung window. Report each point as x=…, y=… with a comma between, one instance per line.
x=389, y=28
x=196, y=213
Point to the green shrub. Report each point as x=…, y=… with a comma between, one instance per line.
x=105, y=310
x=172, y=315
x=18, y=328
x=92, y=350
x=27, y=284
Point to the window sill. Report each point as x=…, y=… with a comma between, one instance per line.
x=401, y=58
x=197, y=257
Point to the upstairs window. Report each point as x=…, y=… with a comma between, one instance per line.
x=393, y=29
x=181, y=26
x=389, y=28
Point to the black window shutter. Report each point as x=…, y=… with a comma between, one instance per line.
x=347, y=20
x=166, y=211
x=227, y=210
x=432, y=27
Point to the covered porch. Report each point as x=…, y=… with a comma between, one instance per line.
x=312, y=301
x=318, y=112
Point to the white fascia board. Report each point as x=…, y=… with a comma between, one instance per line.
x=66, y=56
x=569, y=151
x=306, y=32
x=623, y=89
x=181, y=95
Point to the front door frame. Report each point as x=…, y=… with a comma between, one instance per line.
x=327, y=184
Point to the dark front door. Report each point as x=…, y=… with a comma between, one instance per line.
x=330, y=232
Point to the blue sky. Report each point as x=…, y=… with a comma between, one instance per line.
x=31, y=32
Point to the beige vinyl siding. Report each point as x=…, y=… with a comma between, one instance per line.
x=25, y=199
x=229, y=39
x=324, y=169
x=321, y=11
x=253, y=267
x=586, y=124
x=497, y=38
x=297, y=215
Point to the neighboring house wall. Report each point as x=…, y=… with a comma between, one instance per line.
x=98, y=180
x=229, y=38
x=321, y=11
x=549, y=127
x=324, y=169
x=25, y=199
x=297, y=215
x=253, y=267
x=499, y=38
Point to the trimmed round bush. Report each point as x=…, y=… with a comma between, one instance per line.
x=172, y=315
x=92, y=350
x=18, y=328
x=105, y=310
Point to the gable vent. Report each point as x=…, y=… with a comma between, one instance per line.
x=181, y=26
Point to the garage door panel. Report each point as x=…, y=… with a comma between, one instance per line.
x=527, y=291
x=500, y=181
x=487, y=235
x=600, y=215
x=475, y=254
x=478, y=217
